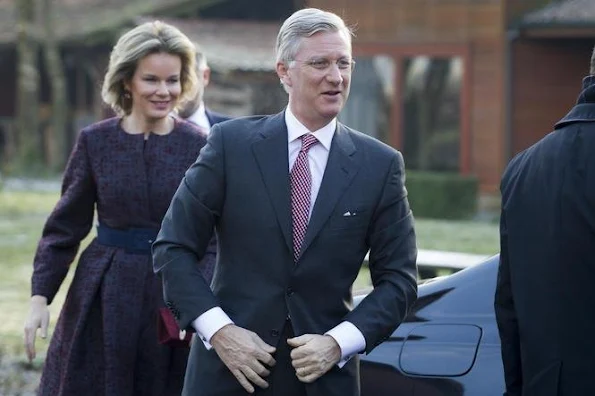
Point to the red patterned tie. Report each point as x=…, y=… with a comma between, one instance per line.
x=301, y=187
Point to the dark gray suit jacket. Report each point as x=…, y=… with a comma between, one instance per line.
x=240, y=187
x=216, y=118
x=207, y=264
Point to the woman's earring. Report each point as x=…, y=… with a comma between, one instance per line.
x=127, y=95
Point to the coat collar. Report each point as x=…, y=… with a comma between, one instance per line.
x=584, y=110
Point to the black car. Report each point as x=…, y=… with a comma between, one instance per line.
x=448, y=345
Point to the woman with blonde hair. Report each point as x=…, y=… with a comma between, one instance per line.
x=127, y=169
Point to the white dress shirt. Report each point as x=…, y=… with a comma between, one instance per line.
x=347, y=336
x=199, y=117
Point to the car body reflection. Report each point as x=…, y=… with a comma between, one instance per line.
x=448, y=345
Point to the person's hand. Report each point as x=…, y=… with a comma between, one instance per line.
x=313, y=355
x=245, y=354
x=39, y=318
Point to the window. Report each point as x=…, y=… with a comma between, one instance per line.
x=431, y=112
x=370, y=99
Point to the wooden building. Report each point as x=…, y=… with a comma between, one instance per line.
x=87, y=29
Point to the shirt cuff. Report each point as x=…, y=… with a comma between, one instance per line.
x=351, y=341
x=209, y=323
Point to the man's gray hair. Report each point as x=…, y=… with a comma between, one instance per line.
x=305, y=23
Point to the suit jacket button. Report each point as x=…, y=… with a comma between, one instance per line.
x=289, y=291
x=275, y=333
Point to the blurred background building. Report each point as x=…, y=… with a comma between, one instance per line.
x=459, y=86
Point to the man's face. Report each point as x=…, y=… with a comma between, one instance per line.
x=203, y=75
x=318, y=78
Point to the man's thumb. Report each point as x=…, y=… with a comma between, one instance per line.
x=299, y=341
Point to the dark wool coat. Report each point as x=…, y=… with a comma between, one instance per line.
x=105, y=341
x=545, y=296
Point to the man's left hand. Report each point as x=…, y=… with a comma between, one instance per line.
x=313, y=355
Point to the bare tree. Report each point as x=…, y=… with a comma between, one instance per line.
x=55, y=69
x=27, y=127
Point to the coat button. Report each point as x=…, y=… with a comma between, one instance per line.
x=275, y=333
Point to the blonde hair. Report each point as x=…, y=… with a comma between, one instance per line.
x=146, y=39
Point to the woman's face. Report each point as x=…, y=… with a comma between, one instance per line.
x=155, y=87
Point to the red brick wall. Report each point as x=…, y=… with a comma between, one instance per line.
x=517, y=8
x=487, y=112
x=418, y=21
x=546, y=82
x=477, y=28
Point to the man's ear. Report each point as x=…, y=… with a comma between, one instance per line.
x=283, y=73
x=206, y=76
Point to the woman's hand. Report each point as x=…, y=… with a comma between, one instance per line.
x=39, y=318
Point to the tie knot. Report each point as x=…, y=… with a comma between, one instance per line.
x=308, y=140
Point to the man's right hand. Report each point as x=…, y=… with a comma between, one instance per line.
x=245, y=354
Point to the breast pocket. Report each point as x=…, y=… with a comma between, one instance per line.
x=349, y=220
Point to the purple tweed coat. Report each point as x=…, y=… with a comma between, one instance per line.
x=105, y=341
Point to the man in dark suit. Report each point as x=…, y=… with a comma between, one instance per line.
x=544, y=296
x=297, y=200
x=195, y=110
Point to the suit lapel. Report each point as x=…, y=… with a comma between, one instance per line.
x=341, y=167
x=272, y=158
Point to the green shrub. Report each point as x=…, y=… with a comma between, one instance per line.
x=442, y=195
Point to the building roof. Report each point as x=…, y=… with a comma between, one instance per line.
x=75, y=19
x=231, y=44
x=563, y=13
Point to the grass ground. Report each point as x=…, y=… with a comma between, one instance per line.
x=21, y=218
x=458, y=236
x=22, y=215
